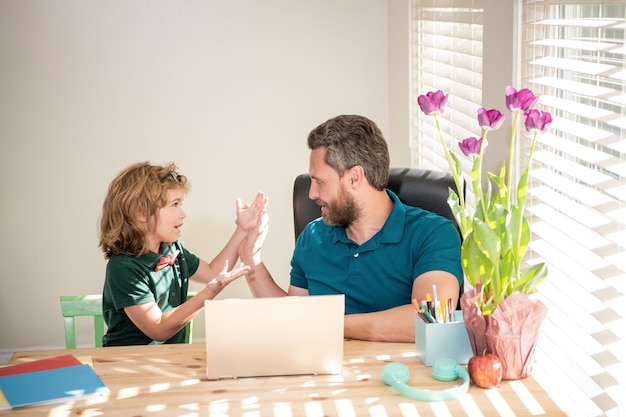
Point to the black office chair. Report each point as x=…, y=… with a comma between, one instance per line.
x=415, y=187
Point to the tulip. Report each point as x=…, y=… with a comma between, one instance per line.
x=537, y=121
x=523, y=99
x=495, y=231
x=432, y=102
x=490, y=119
x=471, y=146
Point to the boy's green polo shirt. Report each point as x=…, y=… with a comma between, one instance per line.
x=379, y=274
x=132, y=280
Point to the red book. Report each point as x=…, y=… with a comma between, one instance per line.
x=40, y=365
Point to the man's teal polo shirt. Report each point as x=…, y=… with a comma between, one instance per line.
x=379, y=274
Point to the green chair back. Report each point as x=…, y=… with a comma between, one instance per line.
x=80, y=306
x=188, y=335
x=91, y=305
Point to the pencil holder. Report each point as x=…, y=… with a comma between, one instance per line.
x=442, y=340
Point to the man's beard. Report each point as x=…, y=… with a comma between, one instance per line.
x=342, y=212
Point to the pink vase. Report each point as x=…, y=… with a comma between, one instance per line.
x=510, y=332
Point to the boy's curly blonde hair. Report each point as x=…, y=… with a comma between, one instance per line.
x=136, y=193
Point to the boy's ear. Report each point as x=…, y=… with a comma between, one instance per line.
x=142, y=217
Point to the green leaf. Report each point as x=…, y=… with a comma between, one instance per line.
x=530, y=279
x=476, y=265
x=487, y=241
x=488, y=244
x=522, y=188
x=458, y=212
x=519, y=230
x=502, y=195
x=487, y=196
x=458, y=169
x=508, y=273
x=497, y=219
x=476, y=179
x=479, y=213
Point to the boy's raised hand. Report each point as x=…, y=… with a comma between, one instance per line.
x=225, y=277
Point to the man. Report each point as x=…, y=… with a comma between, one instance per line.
x=367, y=245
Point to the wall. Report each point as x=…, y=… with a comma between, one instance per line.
x=226, y=89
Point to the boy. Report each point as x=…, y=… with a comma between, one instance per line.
x=148, y=269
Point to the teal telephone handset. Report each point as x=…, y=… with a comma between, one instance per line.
x=397, y=375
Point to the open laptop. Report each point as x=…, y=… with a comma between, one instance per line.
x=274, y=336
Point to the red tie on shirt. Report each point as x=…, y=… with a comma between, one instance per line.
x=166, y=260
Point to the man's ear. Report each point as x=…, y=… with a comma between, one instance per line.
x=357, y=175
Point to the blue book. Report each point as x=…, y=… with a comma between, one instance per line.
x=70, y=383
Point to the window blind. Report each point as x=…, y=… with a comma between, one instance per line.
x=446, y=55
x=573, y=57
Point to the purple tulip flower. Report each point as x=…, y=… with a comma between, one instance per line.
x=523, y=99
x=490, y=119
x=471, y=145
x=537, y=120
x=432, y=102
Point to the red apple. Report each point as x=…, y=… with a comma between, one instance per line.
x=485, y=370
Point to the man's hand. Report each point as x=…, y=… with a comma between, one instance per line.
x=250, y=248
x=248, y=215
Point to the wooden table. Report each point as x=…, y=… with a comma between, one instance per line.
x=169, y=380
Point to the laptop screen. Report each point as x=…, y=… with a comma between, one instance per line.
x=274, y=336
